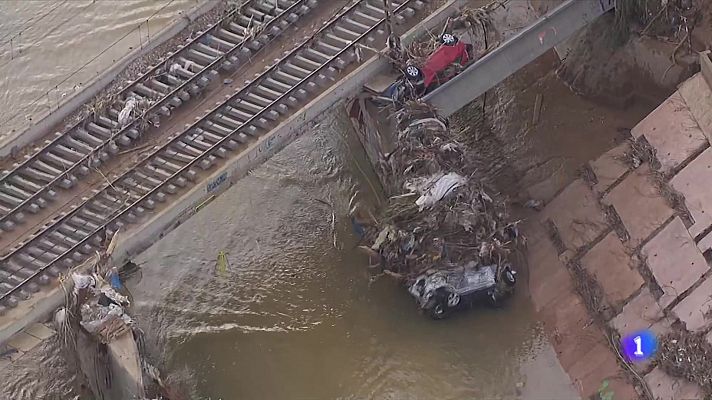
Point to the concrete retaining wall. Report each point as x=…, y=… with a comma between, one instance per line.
x=19, y=139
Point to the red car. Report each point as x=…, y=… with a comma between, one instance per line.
x=443, y=64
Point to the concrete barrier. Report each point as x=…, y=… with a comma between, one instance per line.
x=516, y=52
x=138, y=239
x=19, y=139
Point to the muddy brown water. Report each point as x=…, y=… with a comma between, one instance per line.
x=296, y=318
x=43, y=42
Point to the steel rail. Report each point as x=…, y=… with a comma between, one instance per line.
x=206, y=153
x=135, y=122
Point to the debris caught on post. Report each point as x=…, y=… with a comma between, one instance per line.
x=440, y=218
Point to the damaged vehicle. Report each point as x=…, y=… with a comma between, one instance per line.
x=441, y=292
x=441, y=65
x=448, y=60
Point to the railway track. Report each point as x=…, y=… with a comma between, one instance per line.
x=171, y=169
x=63, y=160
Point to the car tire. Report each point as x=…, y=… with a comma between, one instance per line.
x=439, y=311
x=413, y=73
x=509, y=277
x=448, y=39
x=453, y=299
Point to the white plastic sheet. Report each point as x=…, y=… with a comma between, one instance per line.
x=442, y=187
x=82, y=281
x=125, y=113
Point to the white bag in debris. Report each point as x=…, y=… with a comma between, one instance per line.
x=82, y=281
x=125, y=113
x=444, y=186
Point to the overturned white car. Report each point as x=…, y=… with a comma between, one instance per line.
x=441, y=292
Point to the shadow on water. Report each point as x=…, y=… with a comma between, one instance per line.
x=293, y=317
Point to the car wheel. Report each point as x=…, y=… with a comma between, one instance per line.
x=448, y=39
x=453, y=299
x=493, y=299
x=439, y=311
x=412, y=72
x=509, y=277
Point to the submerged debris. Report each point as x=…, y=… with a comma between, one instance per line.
x=439, y=215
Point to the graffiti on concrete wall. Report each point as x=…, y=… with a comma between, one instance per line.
x=217, y=182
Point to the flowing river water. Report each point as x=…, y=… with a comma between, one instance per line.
x=296, y=315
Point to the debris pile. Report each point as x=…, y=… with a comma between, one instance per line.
x=102, y=308
x=439, y=215
x=687, y=355
x=95, y=325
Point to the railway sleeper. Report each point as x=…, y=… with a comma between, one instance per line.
x=25, y=183
x=178, y=155
x=207, y=162
x=106, y=122
x=215, y=41
x=10, y=200
x=14, y=299
x=68, y=153
x=62, y=238
x=147, y=176
x=260, y=101
x=78, y=221
x=276, y=85
x=159, y=171
x=15, y=191
x=266, y=92
x=248, y=106
x=227, y=121
x=238, y=114
x=214, y=133
x=98, y=130
x=200, y=57
x=161, y=87
x=173, y=80
x=208, y=50
x=354, y=26
x=163, y=163
x=231, y=36
x=82, y=135
x=295, y=70
x=315, y=54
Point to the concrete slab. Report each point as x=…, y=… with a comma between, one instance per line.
x=665, y=387
x=705, y=243
x=673, y=132
x=691, y=183
x=694, y=310
x=576, y=214
x=674, y=260
x=610, y=167
x=698, y=97
x=571, y=328
x=598, y=364
x=640, y=313
x=612, y=268
x=40, y=331
x=639, y=204
x=548, y=277
x=23, y=341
